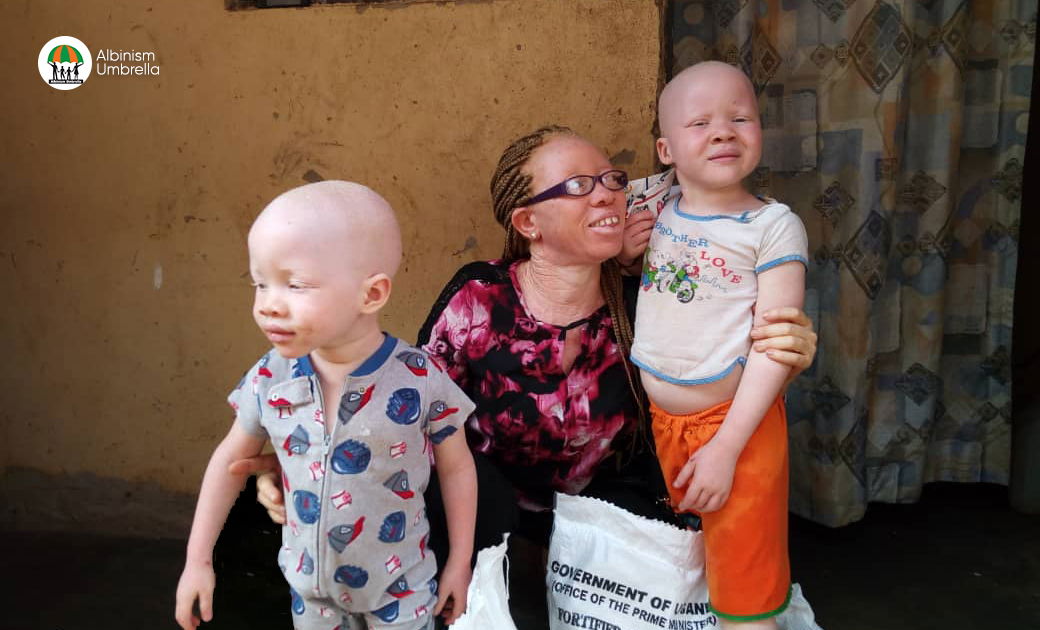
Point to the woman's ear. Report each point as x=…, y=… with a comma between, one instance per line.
x=664, y=152
x=375, y=293
x=523, y=222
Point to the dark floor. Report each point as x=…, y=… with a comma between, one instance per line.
x=961, y=558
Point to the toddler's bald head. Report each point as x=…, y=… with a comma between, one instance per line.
x=712, y=76
x=339, y=219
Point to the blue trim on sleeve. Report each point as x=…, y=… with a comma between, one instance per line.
x=378, y=358
x=742, y=361
x=779, y=261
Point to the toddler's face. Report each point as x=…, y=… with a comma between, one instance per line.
x=308, y=294
x=711, y=129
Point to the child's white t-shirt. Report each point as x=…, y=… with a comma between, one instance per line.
x=700, y=282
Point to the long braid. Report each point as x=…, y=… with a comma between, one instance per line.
x=610, y=284
x=509, y=186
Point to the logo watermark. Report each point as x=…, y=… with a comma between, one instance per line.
x=65, y=63
x=126, y=62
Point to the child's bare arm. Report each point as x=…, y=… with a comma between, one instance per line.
x=458, y=480
x=712, y=466
x=216, y=496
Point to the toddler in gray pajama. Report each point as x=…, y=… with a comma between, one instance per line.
x=355, y=417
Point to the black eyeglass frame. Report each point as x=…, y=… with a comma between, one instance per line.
x=559, y=190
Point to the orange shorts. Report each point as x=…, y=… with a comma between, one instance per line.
x=748, y=571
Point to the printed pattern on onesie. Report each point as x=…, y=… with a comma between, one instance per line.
x=356, y=530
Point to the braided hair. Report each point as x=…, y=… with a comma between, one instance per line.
x=510, y=185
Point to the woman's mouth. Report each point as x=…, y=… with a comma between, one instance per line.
x=610, y=221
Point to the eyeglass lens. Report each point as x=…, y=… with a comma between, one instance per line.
x=583, y=184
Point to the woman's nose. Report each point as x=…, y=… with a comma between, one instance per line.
x=601, y=194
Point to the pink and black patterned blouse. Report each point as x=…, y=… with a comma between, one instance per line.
x=544, y=428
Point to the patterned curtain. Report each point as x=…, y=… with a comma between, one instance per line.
x=897, y=132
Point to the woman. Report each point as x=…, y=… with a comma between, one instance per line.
x=540, y=341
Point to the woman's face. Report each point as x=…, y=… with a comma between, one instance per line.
x=574, y=230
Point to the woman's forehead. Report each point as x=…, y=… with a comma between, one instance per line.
x=567, y=155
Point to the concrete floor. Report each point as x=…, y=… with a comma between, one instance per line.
x=961, y=558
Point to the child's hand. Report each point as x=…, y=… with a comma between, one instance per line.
x=197, y=582
x=710, y=475
x=638, y=227
x=452, y=591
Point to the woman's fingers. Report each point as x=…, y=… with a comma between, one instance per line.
x=788, y=314
x=253, y=465
x=267, y=488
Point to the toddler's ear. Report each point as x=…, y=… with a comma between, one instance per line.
x=375, y=293
x=664, y=151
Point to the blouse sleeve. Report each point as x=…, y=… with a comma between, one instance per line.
x=444, y=334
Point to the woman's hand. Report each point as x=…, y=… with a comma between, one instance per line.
x=268, y=492
x=788, y=338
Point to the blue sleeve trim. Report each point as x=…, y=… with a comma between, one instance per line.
x=779, y=261
x=741, y=361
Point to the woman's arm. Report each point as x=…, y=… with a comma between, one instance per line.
x=268, y=492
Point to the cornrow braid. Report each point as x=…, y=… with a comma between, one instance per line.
x=510, y=185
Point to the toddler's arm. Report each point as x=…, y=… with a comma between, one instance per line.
x=712, y=466
x=458, y=479
x=218, y=493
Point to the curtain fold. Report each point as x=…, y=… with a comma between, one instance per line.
x=897, y=132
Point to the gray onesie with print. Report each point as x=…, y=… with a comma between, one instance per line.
x=354, y=549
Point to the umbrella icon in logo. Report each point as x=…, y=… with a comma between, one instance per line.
x=65, y=54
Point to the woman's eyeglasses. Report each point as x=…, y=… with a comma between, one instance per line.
x=581, y=185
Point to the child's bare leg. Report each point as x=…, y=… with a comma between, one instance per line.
x=761, y=624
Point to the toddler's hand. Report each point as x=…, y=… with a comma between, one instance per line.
x=452, y=592
x=709, y=473
x=638, y=227
x=197, y=582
